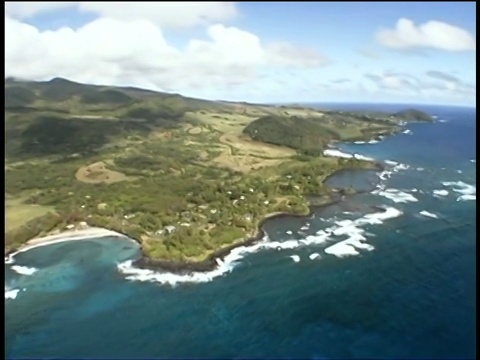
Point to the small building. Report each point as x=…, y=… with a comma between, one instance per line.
x=170, y=229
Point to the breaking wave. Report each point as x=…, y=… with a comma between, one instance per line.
x=468, y=191
x=351, y=228
x=23, y=270
x=428, y=214
x=341, y=154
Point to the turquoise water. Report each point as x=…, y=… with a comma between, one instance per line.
x=412, y=296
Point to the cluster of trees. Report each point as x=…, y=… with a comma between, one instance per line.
x=305, y=134
x=43, y=224
x=45, y=135
x=173, y=186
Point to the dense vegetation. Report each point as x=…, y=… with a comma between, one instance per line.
x=310, y=134
x=304, y=134
x=413, y=115
x=180, y=175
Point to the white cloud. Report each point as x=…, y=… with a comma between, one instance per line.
x=395, y=82
x=432, y=34
x=284, y=53
x=136, y=52
x=28, y=9
x=165, y=14
x=444, y=87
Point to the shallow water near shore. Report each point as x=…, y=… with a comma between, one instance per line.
x=410, y=296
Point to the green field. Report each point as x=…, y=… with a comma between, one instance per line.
x=17, y=214
x=183, y=176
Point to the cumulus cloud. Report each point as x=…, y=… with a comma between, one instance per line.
x=28, y=9
x=117, y=51
x=432, y=34
x=435, y=84
x=165, y=14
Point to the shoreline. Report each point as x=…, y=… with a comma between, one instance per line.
x=65, y=236
x=211, y=262
x=185, y=267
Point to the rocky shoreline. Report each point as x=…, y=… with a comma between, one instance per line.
x=209, y=264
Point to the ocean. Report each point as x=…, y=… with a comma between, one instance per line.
x=350, y=281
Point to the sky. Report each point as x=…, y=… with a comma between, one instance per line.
x=285, y=52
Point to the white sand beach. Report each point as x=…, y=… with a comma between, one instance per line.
x=70, y=235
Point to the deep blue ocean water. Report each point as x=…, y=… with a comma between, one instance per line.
x=413, y=296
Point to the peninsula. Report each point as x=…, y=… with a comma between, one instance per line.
x=186, y=178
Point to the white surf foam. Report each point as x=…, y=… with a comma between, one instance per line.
x=399, y=167
x=295, y=258
x=384, y=175
x=23, y=270
x=337, y=153
x=468, y=191
x=440, y=193
x=379, y=218
x=340, y=154
x=314, y=256
x=391, y=162
x=11, y=294
x=428, y=214
x=342, y=249
x=362, y=157
x=341, y=228
x=366, y=142
x=467, y=198
x=9, y=259
x=396, y=195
